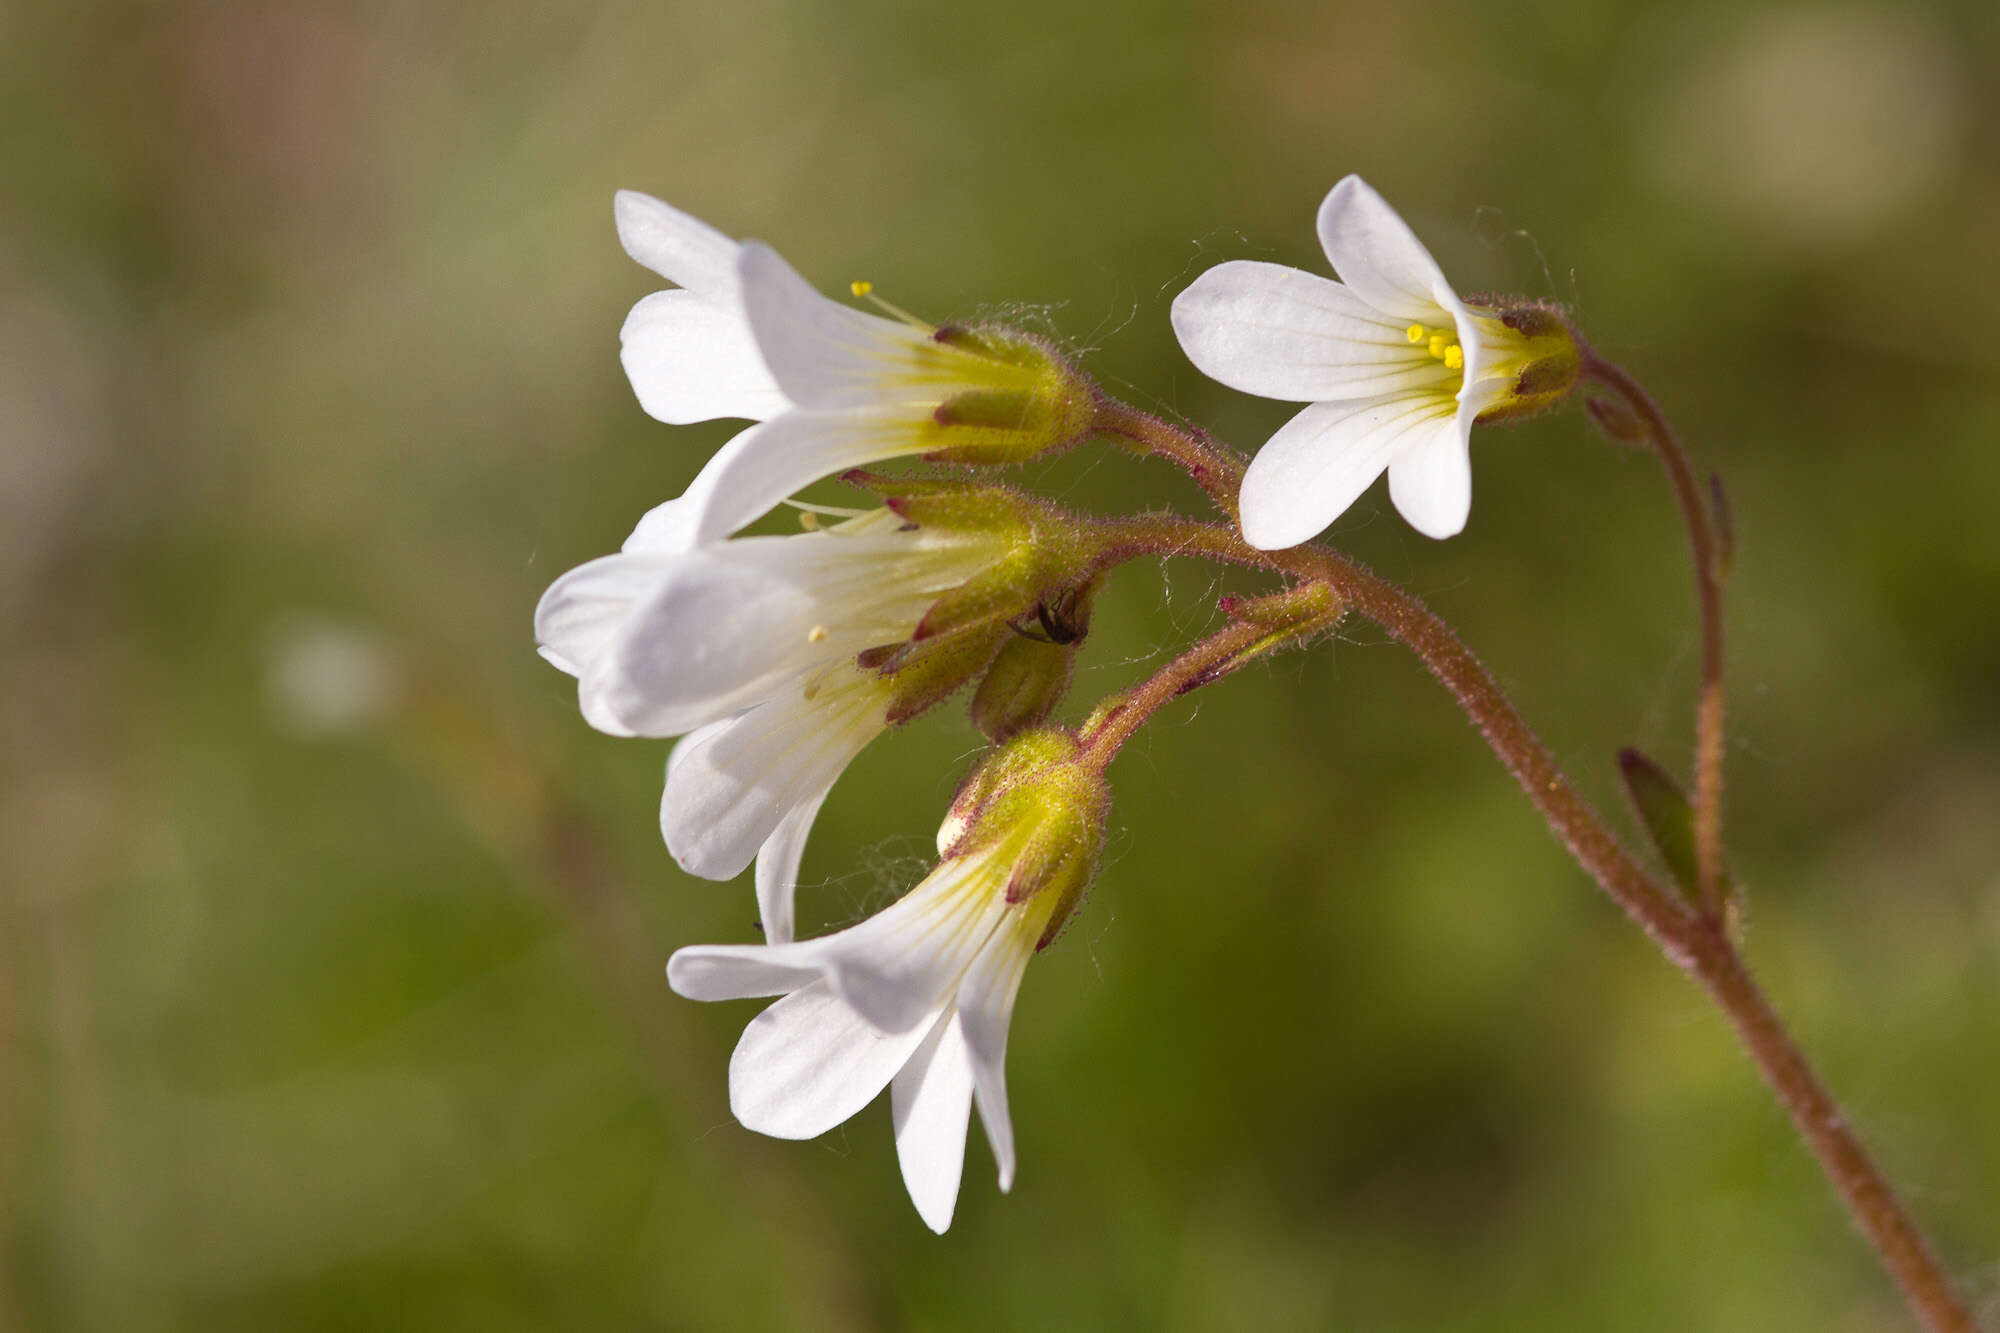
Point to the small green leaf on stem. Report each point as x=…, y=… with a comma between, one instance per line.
x=1663, y=807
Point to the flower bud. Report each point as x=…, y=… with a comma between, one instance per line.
x=1028, y=678
x=1040, y=804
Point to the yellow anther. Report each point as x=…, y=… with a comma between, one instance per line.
x=809, y=520
x=1454, y=357
x=1438, y=343
x=815, y=634
x=1415, y=333
x=865, y=290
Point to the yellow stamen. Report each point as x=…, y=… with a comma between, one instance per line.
x=865, y=289
x=1415, y=333
x=809, y=520
x=815, y=634
x=1454, y=357
x=1438, y=343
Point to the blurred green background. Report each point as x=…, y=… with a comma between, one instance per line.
x=332, y=990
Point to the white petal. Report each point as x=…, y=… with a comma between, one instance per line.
x=931, y=1100
x=665, y=529
x=766, y=464
x=583, y=610
x=1431, y=483
x=809, y=1063
x=1321, y=461
x=897, y=969
x=732, y=784
x=744, y=971
x=690, y=357
x=1377, y=254
x=985, y=1008
x=678, y=247
x=714, y=636
x=778, y=869
x=829, y=356
x=1284, y=333
x=905, y=961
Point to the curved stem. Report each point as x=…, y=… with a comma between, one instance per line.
x=1215, y=467
x=1698, y=944
x=1263, y=625
x=1708, y=730
x=1207, y=660
x=1167, y=536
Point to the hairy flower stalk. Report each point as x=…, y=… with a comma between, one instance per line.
x=919, y=996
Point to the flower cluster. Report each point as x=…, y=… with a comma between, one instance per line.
x=778, y=658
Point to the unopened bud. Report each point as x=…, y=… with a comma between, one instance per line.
x=1029, y=677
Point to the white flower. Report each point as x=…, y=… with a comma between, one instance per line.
x=751, y=646
x=1395, y=366
x=917, y=998
x=745, y=336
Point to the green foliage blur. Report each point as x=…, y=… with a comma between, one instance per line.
x=332, y=994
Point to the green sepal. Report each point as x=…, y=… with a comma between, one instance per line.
x=1546, y=362
x=989, y=409
x=921, y=676
x=1000, y=344
x=1002, y=591
x=1039, y=801
x=1032, y=402
x=1668, y=816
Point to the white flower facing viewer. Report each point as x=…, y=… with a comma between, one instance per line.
x=1396, y=367
x=918, y=997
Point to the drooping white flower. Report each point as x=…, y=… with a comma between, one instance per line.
x=743, y=335
x=918, y=997
x=764, y=650
x=1395, y=365
x=865, y=389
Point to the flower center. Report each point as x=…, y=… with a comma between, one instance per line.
x=1442, y=344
